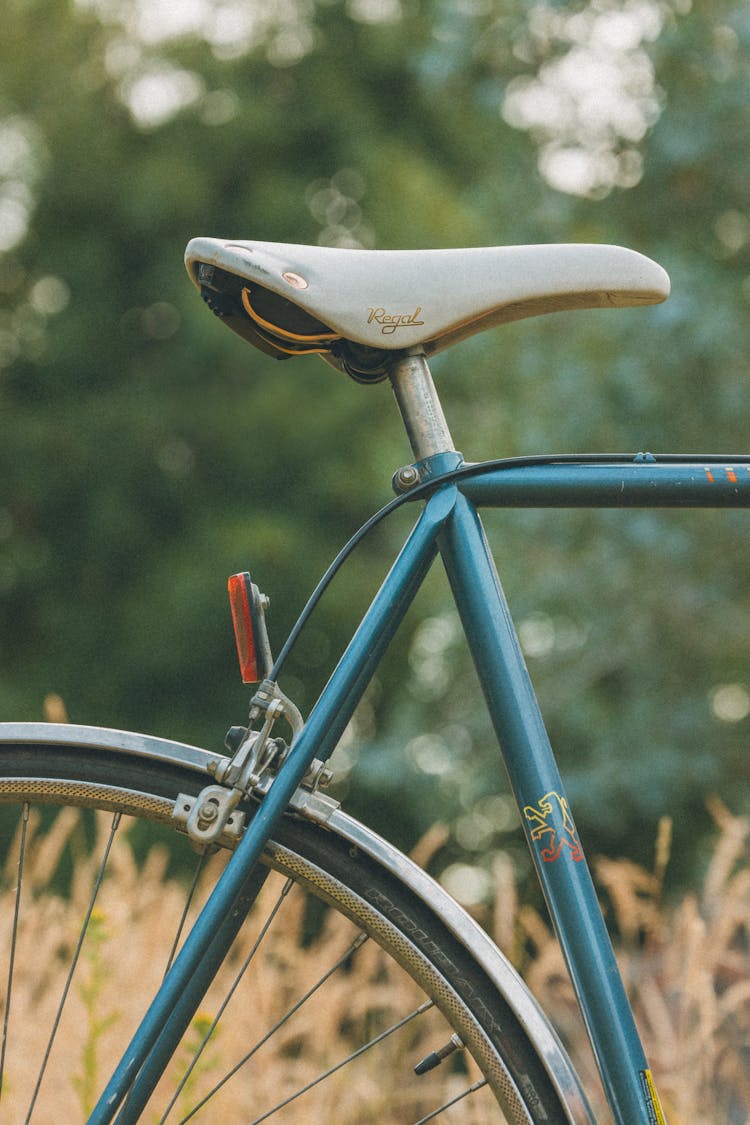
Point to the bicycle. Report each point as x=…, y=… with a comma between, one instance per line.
x=474, y=1045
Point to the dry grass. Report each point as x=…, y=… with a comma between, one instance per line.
x=687, y=970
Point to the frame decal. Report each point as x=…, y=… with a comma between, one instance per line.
x=653, y=1105
x=552, y=824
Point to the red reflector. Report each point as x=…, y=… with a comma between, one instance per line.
x=240, y=601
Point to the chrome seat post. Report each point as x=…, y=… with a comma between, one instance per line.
x=420, y=408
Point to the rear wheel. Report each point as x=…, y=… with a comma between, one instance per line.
x=341, y=981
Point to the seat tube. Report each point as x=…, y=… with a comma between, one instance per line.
x=546, y=817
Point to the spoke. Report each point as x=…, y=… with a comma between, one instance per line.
x=14, y=938
x=266, y=926
x=188, y=902
x=458, y=1098
x=343, y=1062
x=74, y=962
x=355, y=945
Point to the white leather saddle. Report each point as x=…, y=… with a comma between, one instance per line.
x=356, y=307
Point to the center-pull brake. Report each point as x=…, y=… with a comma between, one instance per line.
x=255, y=755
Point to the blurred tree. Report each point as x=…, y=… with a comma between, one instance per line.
x=146, y=453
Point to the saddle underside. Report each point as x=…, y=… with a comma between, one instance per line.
x=297, y=299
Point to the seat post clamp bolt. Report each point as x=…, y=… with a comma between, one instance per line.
x=406, y=478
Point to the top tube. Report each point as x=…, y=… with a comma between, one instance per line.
x=646, y=482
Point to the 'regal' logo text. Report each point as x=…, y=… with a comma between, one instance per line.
x=389, y=322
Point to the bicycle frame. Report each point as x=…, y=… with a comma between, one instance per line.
x=449, y=525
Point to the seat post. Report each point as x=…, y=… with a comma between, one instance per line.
x=420, y=407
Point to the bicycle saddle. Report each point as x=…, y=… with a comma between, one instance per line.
x=357, y=307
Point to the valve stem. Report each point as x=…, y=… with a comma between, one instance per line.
x=429, y=1062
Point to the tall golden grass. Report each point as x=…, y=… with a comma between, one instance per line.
x=687, y=968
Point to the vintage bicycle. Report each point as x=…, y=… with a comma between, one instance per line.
x=438, y=1025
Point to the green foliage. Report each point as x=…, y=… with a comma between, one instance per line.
x=147, y=453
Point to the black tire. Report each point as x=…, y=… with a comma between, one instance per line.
x=516, y=1087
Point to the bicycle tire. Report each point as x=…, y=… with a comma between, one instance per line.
x=330, y=865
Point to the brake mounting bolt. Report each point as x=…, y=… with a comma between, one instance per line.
x=209, y=812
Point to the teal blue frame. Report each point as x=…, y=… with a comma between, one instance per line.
x=449, y=525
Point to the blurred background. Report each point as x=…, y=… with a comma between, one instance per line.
x=147, y=453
